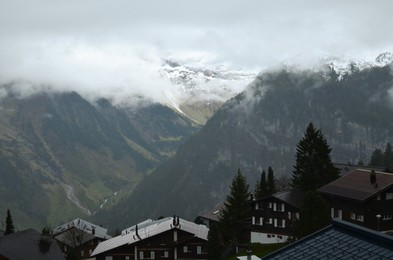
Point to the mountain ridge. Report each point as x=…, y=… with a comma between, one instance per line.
x=259, y=128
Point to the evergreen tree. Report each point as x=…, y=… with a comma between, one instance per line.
x=313, y=167
x=271, y=182
x=214, y=247
x=377, y=158
x=236, y=214
x=9, y=225
x=388, y=158
x=261, y=187
x=313, y=215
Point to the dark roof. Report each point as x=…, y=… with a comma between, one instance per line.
x=73, y=237
x=214, y=214
x=356, y=185
x=293, y=197
x=341, y=240
x=27, y=244
x=346, y=168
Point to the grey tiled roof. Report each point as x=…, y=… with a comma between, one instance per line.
x=341, y=240
x=27, y=245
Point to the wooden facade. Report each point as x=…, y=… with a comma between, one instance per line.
x=272, y=216
x=363, y=197
x=164, y=239
x=79, y=238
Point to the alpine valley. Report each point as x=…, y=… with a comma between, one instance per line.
x=260, y=127
x=62, y=156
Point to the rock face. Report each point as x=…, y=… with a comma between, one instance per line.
x=260, y=128
x=62, y=157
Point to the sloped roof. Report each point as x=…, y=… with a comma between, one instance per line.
x=26, y=245
x=154, y=228
x=341, y=240
x=84, y=226
x=293, y=197
x=214, y=214
x=356, y=185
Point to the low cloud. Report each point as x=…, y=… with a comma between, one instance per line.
x=102, y=49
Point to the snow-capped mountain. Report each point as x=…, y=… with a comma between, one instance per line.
x=346, y=66
x=205, y=82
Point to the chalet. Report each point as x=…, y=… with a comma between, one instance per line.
x=168, y=238
x=340, y=240
x=79, y=237
x=211, y=217
x=29, y=244
x=272, y=216
x=363, y=197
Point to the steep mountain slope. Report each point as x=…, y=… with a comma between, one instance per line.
x=260, y=128
x=62, y=157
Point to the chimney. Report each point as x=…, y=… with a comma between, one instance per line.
x=373, y=177
x=136, y=232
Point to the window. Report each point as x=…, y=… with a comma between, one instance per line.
x=82, y=253
x=269, y=221
x=152, y=255
x=261, y=221
x=332, y=212
x=340, y=214
x=253, y=220
x=289, y=215
x=283, y=223
x=269, y=205
x=185, y=249
x=274, y=206
x=389, y=195
x=297, y=215
x=360, y=218
x=256, y=206
x=108, y=258
x=141, y=255
x=387, y=216
x=379, y=197
x=275, y=222
x=353, y=216
x=199, y=250
x=166, y=254
x=127, y=258
x=282, y=207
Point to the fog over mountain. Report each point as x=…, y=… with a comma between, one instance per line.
x=117, y=50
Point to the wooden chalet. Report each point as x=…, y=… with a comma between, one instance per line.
x=168, y=238
x=363, y=197
x=79, y=238
x=272, y=216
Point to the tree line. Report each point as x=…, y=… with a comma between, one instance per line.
x=313, y=169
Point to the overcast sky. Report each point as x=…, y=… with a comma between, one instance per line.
x=115, y=48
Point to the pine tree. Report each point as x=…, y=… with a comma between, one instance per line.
x=377, y=158
x=214, y=247
x=271, y=182
x=261, y=187
x=388, y=158
x=313, y=215
x=9, y=225
x=235, y=217
x=313, y=167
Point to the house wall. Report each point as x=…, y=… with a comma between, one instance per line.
x=172, y=244
x=268, y=238
x=365, y=214
x=271, y=220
